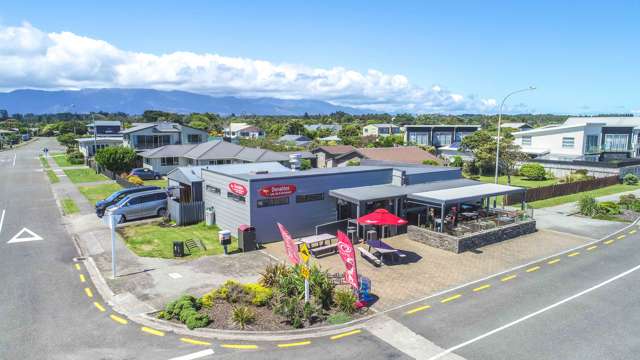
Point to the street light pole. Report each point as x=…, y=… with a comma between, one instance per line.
x=530, y=88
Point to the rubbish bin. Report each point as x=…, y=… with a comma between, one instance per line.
x=210, y=216
x=178, y=248
x=225, y=239
x=247, y=238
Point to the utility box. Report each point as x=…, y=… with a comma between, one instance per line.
x=247, y=238
x=210, y=216
x=225, y=239
x=178, y=248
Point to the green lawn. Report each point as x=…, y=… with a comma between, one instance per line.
x=93, y=193
x=519, y=181
x=53, y=178
x=609, y=190
x=84, y=175
x=160, y=183
x=62, y=161
x=152, y=240
x=69, y=206
x=44, y=162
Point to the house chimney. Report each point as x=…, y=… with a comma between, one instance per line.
x=294, y=160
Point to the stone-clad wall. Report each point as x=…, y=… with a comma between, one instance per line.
x=471, y=241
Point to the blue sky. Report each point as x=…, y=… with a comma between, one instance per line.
x=583, y=56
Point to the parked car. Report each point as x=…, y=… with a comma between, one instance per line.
x=114, y=198
x=146, y=174
x=140, y=205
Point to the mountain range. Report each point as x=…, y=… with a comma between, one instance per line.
x=136, y=101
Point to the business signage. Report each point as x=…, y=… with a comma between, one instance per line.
x=238, y=189
x=277, y=190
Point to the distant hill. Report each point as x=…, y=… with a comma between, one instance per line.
x=136, y=101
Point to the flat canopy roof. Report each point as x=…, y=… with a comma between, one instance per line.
x=386, y=191
x=465, y=193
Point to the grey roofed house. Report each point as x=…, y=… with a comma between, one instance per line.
x=299, y=140
x=316, y=127
x=168, y=151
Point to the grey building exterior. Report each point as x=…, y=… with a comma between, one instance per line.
x=146, y=136
x=239, y=198
x=109, y=128
x=437, y=135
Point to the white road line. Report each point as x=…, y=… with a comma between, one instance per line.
x=2, y=219
x=14, y=159
x=195, y=355
x=527, y=317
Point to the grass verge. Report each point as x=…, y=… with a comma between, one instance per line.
x=160, y=183
x=153, y=240
x=44, y=162
x=84, y=175
x=69, y=206
x=609, y=190
x=53, y=178
x=94, y=193
x=519, y=181
x=62, y=161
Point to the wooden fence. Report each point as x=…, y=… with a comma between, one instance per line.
x=547, y=192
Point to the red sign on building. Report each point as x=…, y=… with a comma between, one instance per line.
x=277, y=190
x=238, y=189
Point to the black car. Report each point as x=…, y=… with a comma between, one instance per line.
x=102, y=205
x=146, y=174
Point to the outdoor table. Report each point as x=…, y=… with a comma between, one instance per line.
x=315, y=240
x=382, y=248
x=470, y=214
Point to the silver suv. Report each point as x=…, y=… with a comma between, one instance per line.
x=140, y=205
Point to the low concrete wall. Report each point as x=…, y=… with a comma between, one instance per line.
x=471, y=241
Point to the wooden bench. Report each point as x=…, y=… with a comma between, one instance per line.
x=323, y=249
x=369, y=256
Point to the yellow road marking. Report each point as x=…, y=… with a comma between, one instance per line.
x=301, y=343
x=78, y=267
x=535, y=268
x=632, y=231
x=553, y=261
x=592, y=247
x=82, y=279
x=621, y=237
x=241, y=347
x=349, y=333
x=450, y=298
x=152, y=331
x=480, y=288
x=88, y=292
x=118, y=319
x=573, y=254
x=412, y=311
x=609, y=241
x=507, y=278
x=99, y=306
x=195, y=342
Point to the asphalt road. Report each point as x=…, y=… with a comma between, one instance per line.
x=583, y=306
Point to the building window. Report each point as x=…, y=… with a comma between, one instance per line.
x=213, y=189
x=147, y=161
x=194, y=138
x=616, y=142
x=568, y=142
x=419, y=138
x=152, y=141
x=309, y=197
x=442, y=138
x=236, y=197
x=168, y=161
x=526, y=141
x=273, y=202
x=592, y=144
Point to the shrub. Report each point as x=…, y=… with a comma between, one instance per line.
x=322, y=288
x=627, y=201
x=232, y=292
x=75, y=157
x=470, y=168
x=345, y=301
x=207, y=299
x=636, y=206
x=242, y=316
x=197, y=320
x=338, y=318
x=272, y=274
x=533, y=171
x=185, y=309
x=608, y=208
x=430, y=162
x=258, y=294
x=135, y=180
x=587, y=205
x=457, y=162
x=630, y=179
x=353, y=162
x=430, y=149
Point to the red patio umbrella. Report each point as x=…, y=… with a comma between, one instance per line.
x=381, y=217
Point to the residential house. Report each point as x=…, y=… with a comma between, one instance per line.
x=328, y=156
x=341, y=155
x=297, y=140
x=334, y=128
x=146, y=136
x=166, y=158
x=381, y=130
x=519, y=126
x=437, y=135
x=88, y=146
x=243, y=131
x=110, y=128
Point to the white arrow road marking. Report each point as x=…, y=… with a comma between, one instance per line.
x=195, y=355
x=18, y=239
x=2, y=219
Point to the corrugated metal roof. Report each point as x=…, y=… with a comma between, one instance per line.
x=106, y=123
x=376, y=192
x=464, y=193
x=310, y=172
x=168, y=151
x=193, y=174
x=622, y=121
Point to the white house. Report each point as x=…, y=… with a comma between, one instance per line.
x=243, y=131
x=145, y=136
x=583, y=137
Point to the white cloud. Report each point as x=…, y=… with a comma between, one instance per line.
x=31, y=58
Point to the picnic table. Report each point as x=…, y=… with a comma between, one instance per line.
x=379, y=250
x=318, y=243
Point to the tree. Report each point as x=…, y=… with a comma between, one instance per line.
x=510, y=157
x=457, y=162
x=483, y=147
x=305, y=164
x=199, y=125
x=67, y=140
x=533, y=171
x=118, y=159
